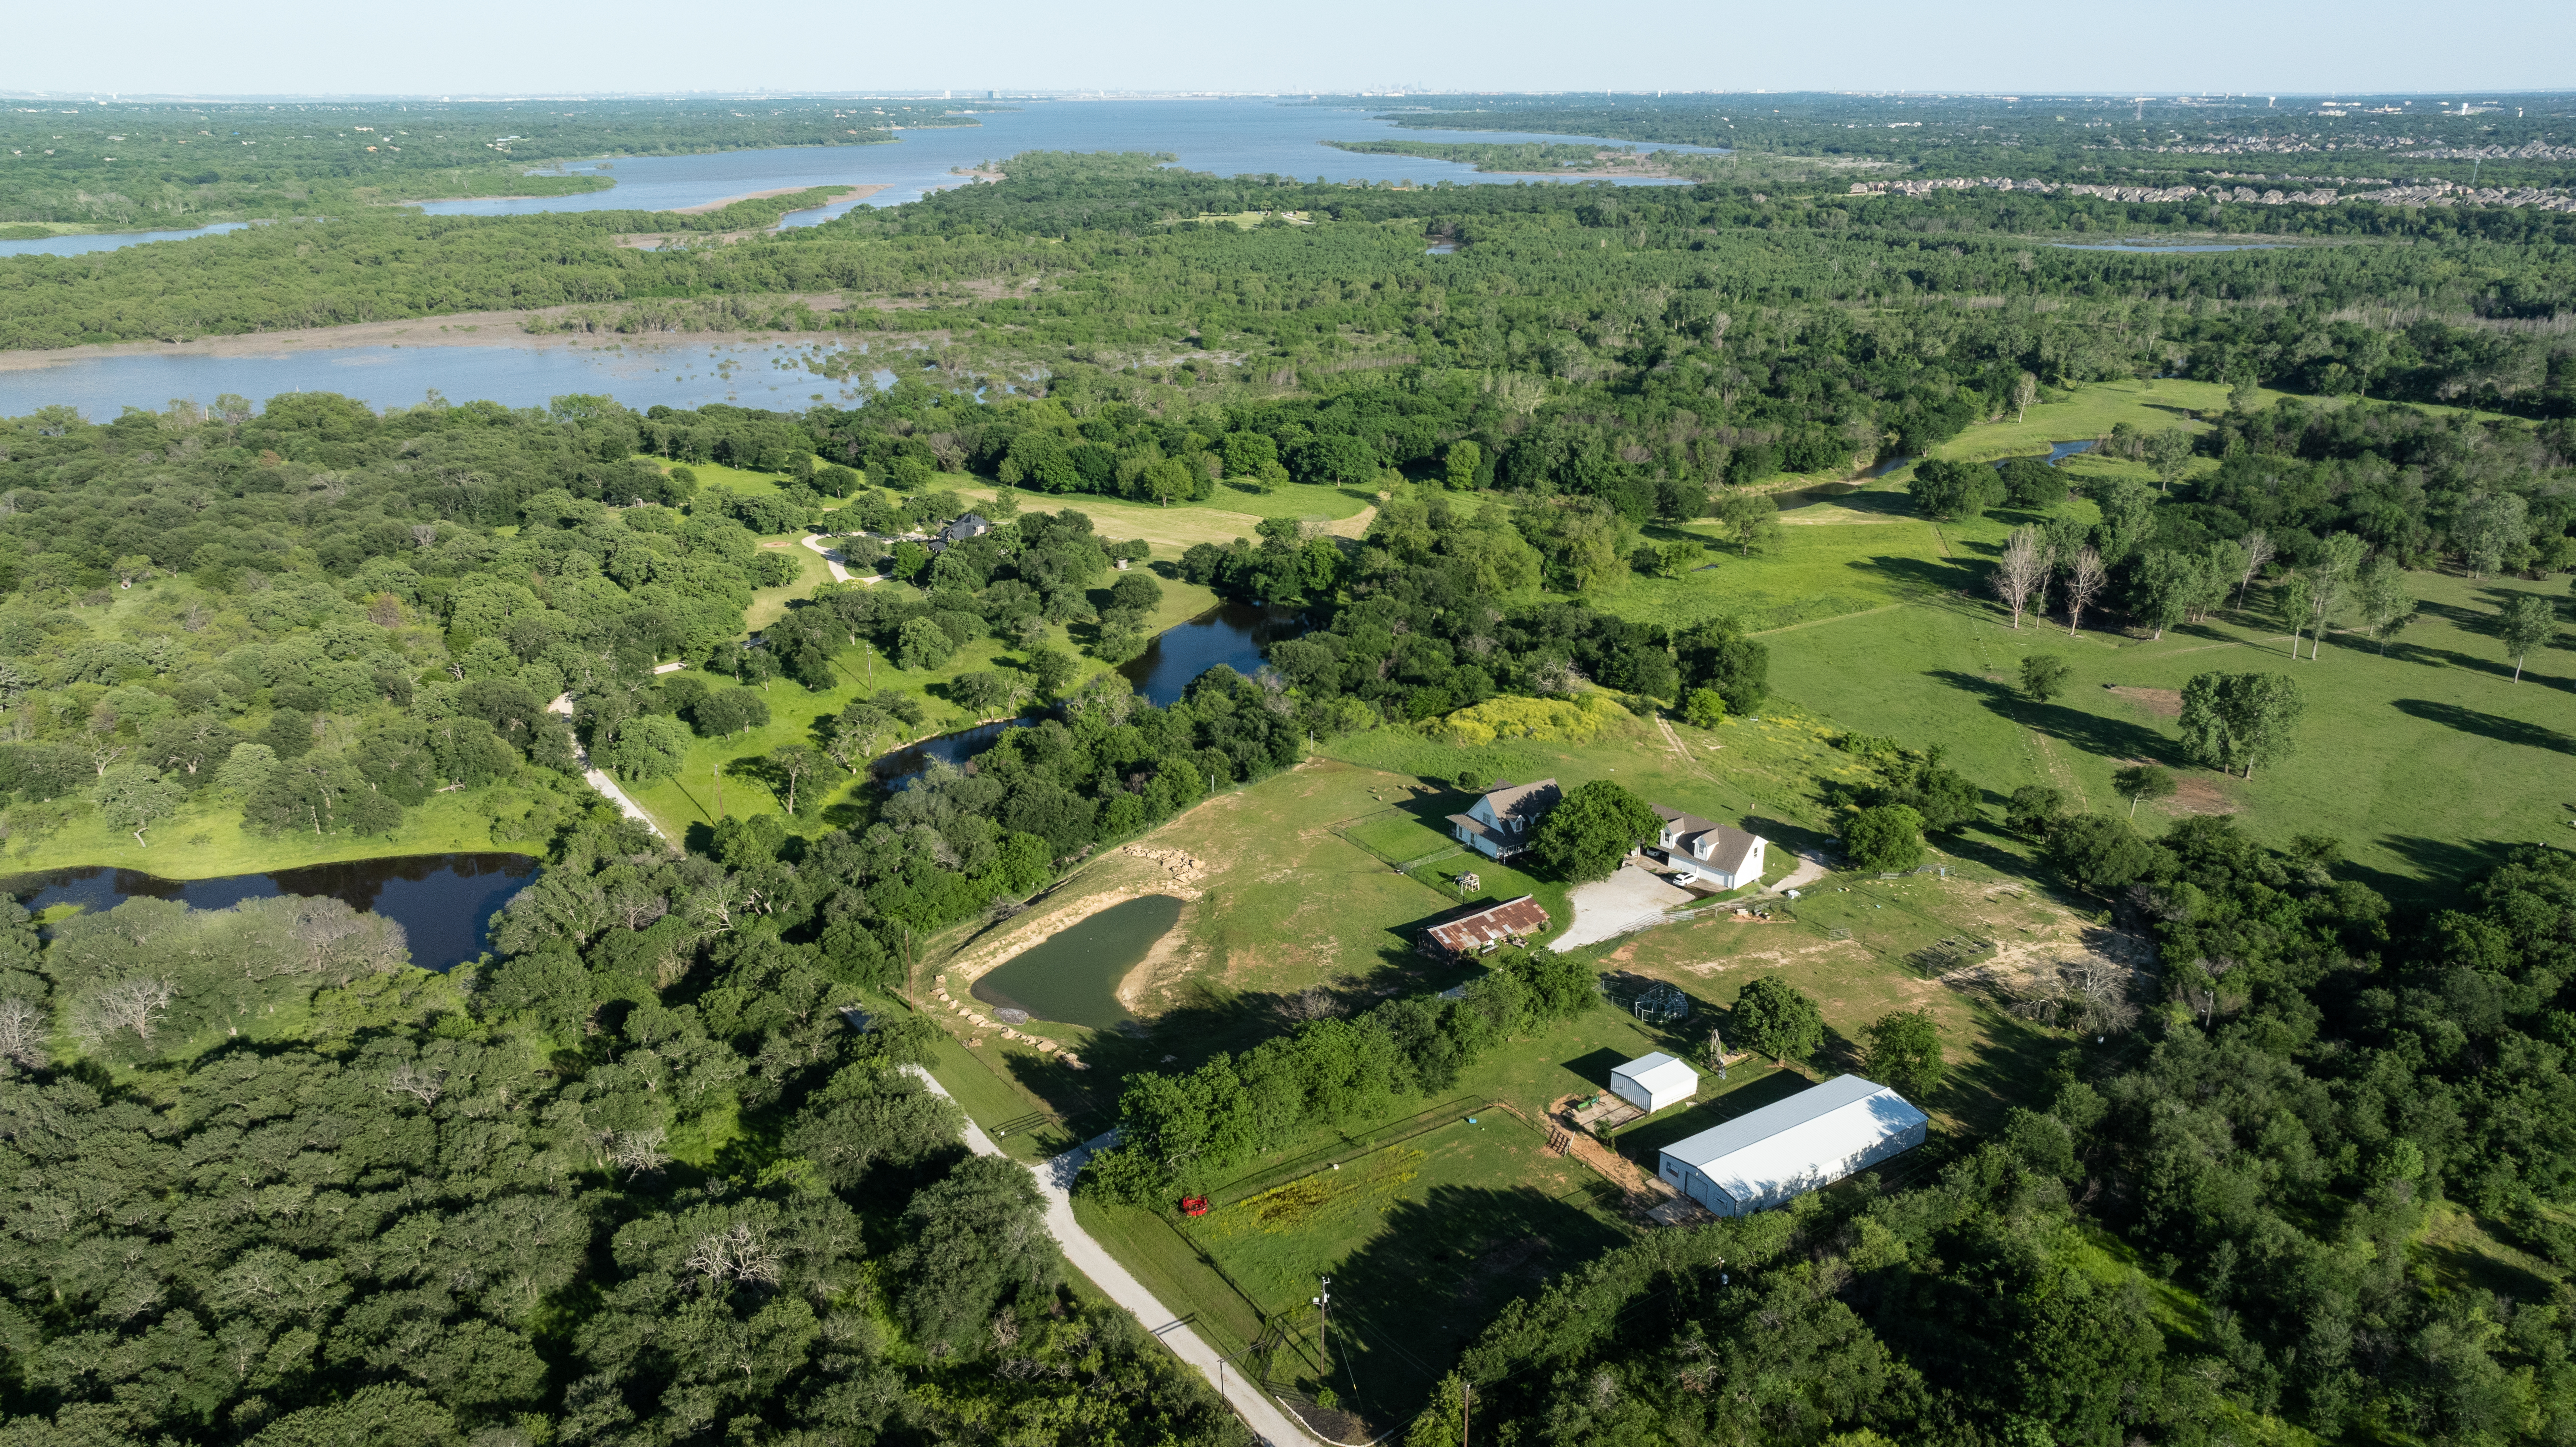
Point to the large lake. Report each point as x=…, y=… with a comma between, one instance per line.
x=1230, y=137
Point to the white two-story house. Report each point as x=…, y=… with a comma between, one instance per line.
x=1498, y=824
x=1705, y=850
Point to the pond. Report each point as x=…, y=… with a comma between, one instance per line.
x=1230, y=633
x=108, y=240
x=442, y=901
x=513, y=369
x=1071, y=977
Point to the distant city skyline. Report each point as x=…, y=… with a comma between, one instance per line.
x=487, y=49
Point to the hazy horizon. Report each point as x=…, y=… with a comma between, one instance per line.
x=305, y=50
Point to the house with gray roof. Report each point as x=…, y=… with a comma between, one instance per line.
x=1498, y=824
x=1704, y=850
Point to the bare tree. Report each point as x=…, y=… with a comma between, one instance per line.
x=637, y=1151
x=2084, y=580
x=2021, y=570
x=737, y=1253
x=2089, y=995
x=420, y=1082
x=22, y=1033
x=2025, y=392
x=423, y=534
x=2258, y=551
x=136, y=1004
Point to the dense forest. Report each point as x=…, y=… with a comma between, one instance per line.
x=655, y=1170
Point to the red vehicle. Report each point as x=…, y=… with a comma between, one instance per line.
x=1194, y=1205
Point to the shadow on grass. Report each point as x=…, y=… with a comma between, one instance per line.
x=1595, y=1068
x=2107, y=737
x=2444, y=865
x=1932, y=575
x=1418, y=1293
x=2487, y=725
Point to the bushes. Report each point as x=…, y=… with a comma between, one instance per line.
x=1577, y=720
x=1884, y=837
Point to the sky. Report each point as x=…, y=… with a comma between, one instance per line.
x=485, y=47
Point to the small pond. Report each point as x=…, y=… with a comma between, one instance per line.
x=898, y=769
x=1230, y=633
x=442, y=901
x=1071, y=977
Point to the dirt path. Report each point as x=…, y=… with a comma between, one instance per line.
x=1055, y=1182
x=832, y=559
x=599, y=779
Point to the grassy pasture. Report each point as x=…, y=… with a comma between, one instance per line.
x=2422, y=761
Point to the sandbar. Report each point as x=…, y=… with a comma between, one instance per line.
x=846, y=193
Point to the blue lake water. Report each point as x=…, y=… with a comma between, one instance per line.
x=1227, y=137
x=1231, y=137
x=442, y=901
x=1230, y=633
x=749, y=370
x=108, y=240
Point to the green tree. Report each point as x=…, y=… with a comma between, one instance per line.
x=1772, y=1019
x=924, y=645
x=982, y=692
x=1591, y=829
x=2387, y=604
x=2044, y=676
x=2140, y=782
x=2168, y=451
x=789, y=767
x=1054, y=670
x=2100, y=852
x=2527, y=621
x=1905, y=1052
x=133, y=798
x=2239, y=720
x=1462, y=464
x=1884, y=837
x=2034, y=809
x=1943, y=489
x=1703, y=708
x=650, y=747
x=1752, y=519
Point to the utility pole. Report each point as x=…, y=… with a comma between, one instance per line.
x=1323, y=1324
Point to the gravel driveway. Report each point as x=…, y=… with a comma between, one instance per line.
x=1631, y=896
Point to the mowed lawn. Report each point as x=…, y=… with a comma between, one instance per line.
x=2423, y=762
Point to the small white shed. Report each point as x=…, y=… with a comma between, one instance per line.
x=1770, y=1156
x=1651, y=1082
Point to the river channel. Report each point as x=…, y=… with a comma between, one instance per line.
x=442, y=901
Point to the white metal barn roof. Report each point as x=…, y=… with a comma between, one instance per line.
x=1660, y=1075
x=1768, y=1155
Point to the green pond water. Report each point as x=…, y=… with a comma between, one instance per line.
x=1071, y=977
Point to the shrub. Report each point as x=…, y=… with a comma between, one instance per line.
x=1884, y=837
